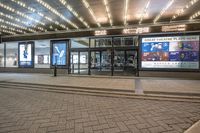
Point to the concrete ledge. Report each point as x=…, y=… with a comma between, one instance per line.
x=33, y=70
x=187, y=75
x=194, y=128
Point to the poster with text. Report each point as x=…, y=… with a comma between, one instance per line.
x=179, y=52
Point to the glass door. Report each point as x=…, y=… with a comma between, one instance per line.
x=74, y=62
x=83, y=63
x=130, y=67
x=100, y=62
x=119, y=62
x=79, y=62
x=125, y=62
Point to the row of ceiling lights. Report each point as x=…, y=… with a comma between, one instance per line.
x=186, y=7
x=11, y=28
x=144, y=11
x=22, y=4
x=69, y=7
x=126, y=12
x=53, y=10
x=20, y=21
x=86, y=4
x=108, y=12
x=22, y=15
x=170, y=2
x=16, y=19
x=16, y=25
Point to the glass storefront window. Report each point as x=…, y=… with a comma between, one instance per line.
x=80, y=43
x=125, y=41
x=42, y=54
x=117, y=42
x=101, y=42
x=12, y=54
x=1, y=55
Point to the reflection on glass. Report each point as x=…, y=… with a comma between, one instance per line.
x=80, y=43
x=79, y=62
x=42, y=54
x=125, y=62
x=124, y=41
x=74, y=62
x=12, y=54
x=101, y=62
x=101, y=42
x=119, y=60
x=83, y=62
x=1, y=55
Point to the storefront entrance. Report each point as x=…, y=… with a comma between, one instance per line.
x=79, y=62
x=125, y=62
x=104, y=56
x=100, y=63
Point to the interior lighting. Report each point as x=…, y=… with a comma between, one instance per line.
x=136, y=30
x=87, y=5
x=100, y=32
x=163, y=10
x=174, y=28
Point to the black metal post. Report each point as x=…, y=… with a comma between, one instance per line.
x=55, y=70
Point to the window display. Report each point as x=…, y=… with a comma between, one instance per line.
x=171, y=52
x=59, y=53
x=12, y=54
x=42, y=54
x=1, y=55
x=80, y=43
x=25, y=55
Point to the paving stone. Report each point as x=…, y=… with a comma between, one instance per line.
x=111, y=130
x=158, y=129
x=34, y=128
x=39, y=112
x=42, y=130
x=122, y=126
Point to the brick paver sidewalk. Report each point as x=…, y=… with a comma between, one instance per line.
x=25, y=111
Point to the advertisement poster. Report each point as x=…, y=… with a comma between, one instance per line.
x=170, y=52
x=59, y=53
x=25, y=55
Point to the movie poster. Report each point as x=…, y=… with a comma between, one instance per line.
x=170, y=52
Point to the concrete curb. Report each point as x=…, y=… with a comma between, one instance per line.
x=195, y=128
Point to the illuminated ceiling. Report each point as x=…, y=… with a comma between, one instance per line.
x=32, y=16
